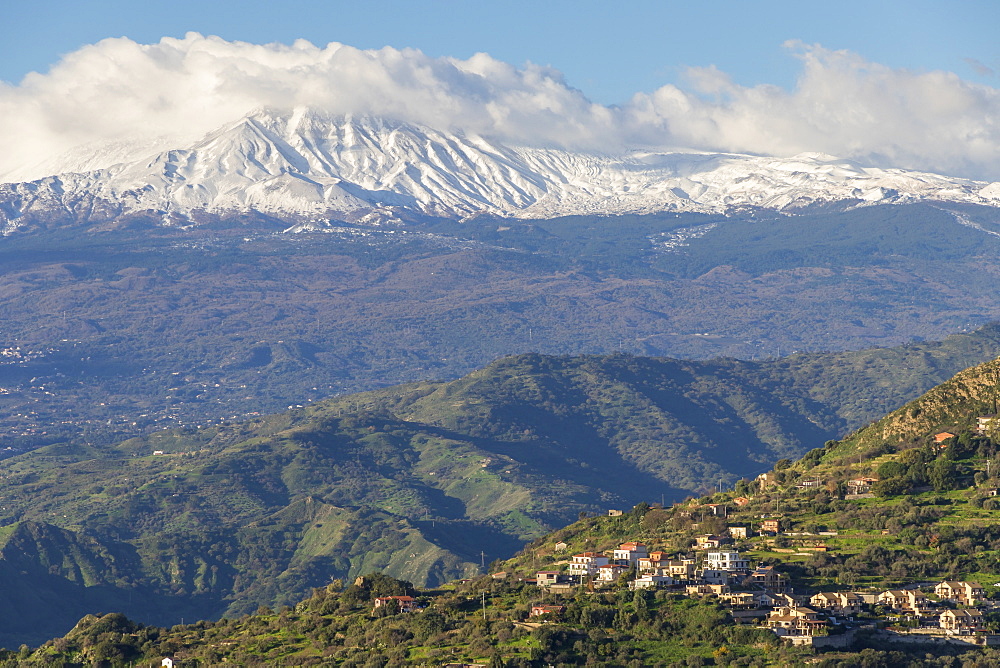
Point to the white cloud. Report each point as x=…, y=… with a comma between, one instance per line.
x=175, y=91
x=842, y=105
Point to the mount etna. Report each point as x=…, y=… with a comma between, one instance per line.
x=312, y=346
x=508, y=335
x=314, y=168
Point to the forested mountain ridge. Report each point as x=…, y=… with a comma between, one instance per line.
x=427, y=481
x=963, y=404
x=930, y=517
x=687, y=422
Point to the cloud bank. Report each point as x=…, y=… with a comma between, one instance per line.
x=115, y=98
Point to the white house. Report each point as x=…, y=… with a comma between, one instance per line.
x=610, y=572
x=628, y=554
x=738, y=532
x=587, y=563
x=727, y=561
x=651, y=581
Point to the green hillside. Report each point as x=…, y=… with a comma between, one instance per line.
x=481, y=621
x=930, y=515
x=428, y=481
x=690, y=423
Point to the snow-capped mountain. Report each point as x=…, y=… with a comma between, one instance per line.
x=313, y=168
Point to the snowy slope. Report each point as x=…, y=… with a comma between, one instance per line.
x=310, y=167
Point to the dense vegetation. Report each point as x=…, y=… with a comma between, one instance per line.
x=480, y=621
x=931, y=516
x=930, y=513
x=427, y=481
x=143, y=326
x=120, y=333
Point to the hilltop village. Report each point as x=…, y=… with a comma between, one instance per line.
x=818, y=551
x=879, y=550
x=761, y=595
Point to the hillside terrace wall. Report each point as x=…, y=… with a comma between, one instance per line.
x=936, y=636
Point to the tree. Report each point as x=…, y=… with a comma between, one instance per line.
x=891, y=487
x=942, y=475
x=812, y=458
x=891, y=469
x=640, y=509
x=654, y=519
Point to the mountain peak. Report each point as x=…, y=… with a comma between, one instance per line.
x=307, y=164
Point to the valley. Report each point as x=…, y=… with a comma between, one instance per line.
x=133, y=331
x=425, y=481
x=878, y=549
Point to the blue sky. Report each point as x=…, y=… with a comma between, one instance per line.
x=912, y=84
x=607, y=50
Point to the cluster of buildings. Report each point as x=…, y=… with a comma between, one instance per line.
x=722, y=573
x=720, y=569
x=761, y=591
x=824, y=607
